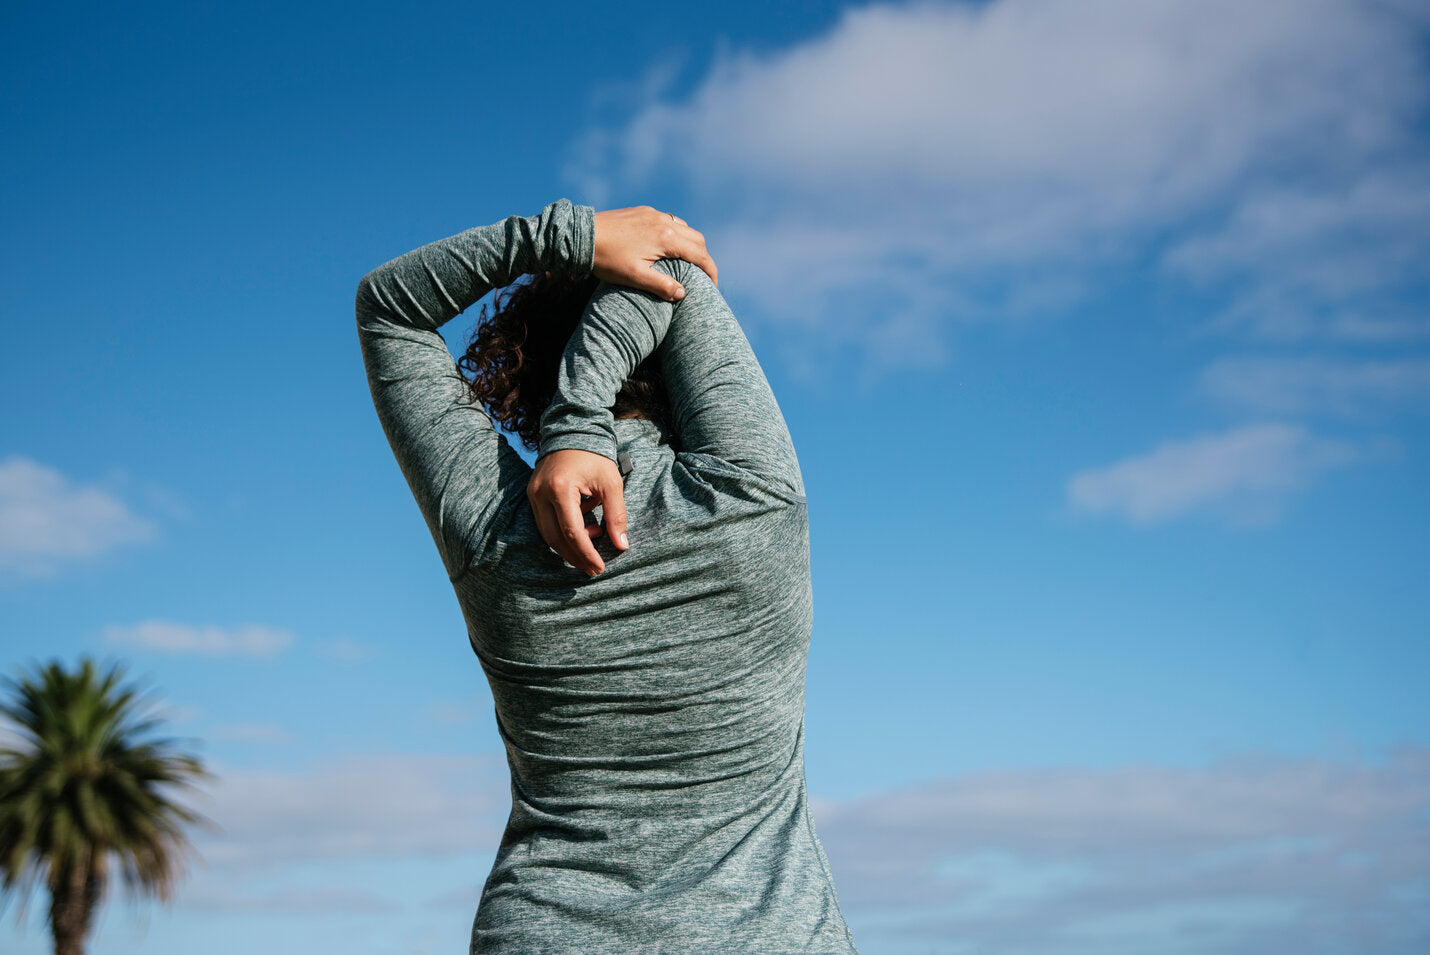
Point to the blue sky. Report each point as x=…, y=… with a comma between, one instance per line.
x=1102, y=329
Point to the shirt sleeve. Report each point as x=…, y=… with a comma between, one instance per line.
x=722, y=403
x=459, y=467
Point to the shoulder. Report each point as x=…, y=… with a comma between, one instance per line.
x=736, y=485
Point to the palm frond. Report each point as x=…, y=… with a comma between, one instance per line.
x=86, y=785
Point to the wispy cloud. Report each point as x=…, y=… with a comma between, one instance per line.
x=48, y=521
x=1352, y=388
x=1251, y=855
x=375, y=807
x=931, y=162
x=1244, y=473
x=165, y=636
x=1336, y=262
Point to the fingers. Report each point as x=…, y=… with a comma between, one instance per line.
x=565, y=486
x=559, y=519
x=695, y=253
x=593, y=529
x=659, y=284
x=548, y=522
x=679, y=242
x=576, y=545
x=643, y=275
x=613, y=507
x=629, y=241
x=689, y=244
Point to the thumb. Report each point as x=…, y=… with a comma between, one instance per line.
x=613, y=507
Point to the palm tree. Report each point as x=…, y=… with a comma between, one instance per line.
x=89, y=791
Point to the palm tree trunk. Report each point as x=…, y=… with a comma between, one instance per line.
x=69, y=915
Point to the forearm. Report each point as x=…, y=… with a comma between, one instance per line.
x=401, y=304
x=621, y=327
x=720, y=399
x=431, y=285
x=456, y=463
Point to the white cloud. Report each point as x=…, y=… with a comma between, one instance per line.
x=1350, y=388
x=166, y=636
x=951, y=157
x=1263, y=854
x=48, y=520
x=376, y=807
x=1244, y=472
x=1138, y=101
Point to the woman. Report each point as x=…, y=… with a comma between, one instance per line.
x=650, y=693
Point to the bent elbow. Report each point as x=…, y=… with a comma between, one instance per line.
x=369, y=298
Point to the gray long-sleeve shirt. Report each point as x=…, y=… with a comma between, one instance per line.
x=652, y=715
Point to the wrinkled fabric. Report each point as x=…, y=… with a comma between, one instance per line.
x=652, y=715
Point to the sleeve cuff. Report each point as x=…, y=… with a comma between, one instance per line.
x=568, y=237
x=603, y=445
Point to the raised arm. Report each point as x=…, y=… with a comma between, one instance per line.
x=723, y=407
x=457, y=464
x=459, y=467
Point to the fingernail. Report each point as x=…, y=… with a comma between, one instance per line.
x=622, y=536
x=679, y=294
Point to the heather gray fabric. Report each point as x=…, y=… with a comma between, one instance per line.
x=652, y=715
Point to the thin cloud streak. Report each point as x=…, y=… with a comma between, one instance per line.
x=164, y=636
x=1348, y=388
x=1245, y=473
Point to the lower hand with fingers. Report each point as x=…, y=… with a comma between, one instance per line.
x=566, y=486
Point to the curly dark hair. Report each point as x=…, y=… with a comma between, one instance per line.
x=515, y=352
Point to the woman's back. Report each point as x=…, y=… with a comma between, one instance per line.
x=653, y=721
x=652, y=715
